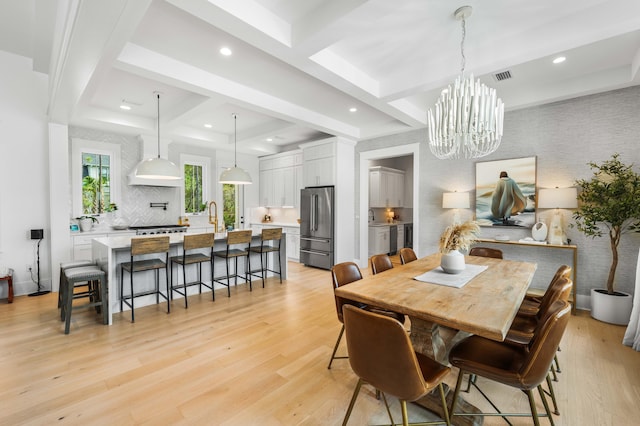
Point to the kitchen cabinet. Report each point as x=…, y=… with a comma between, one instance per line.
x=278, y=179
x=81, y=243
x=379, y=240
x=319, y=164
x=386, y=187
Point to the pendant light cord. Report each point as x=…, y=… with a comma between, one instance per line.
x=235, y=140
x=158, y=95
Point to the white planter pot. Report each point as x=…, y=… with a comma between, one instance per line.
x=452, y=262
x=614, y=309
x=85, y=224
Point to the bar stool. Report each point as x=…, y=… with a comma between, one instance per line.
x=269, y=243
x=190, y=243
x=63, y=267
x=233, y=238
x=97, y=292
x=140, y=247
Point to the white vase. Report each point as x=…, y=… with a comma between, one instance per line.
x=85, y=224
x=452, y=262
x=614, y=309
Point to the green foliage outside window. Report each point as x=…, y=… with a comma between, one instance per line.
x=96, y=183
x=193, y=189
x=229, y=201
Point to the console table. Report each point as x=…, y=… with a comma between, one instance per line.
x=9, y=279
x=573, y=247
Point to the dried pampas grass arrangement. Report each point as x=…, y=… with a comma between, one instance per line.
x=459, y=236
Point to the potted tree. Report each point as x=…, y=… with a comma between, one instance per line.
x=609, y=205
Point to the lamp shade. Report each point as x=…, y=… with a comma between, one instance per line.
x=157, y=168
x=455, y=200
x=236, y=176
x=558, y=198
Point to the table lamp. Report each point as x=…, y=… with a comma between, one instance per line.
x=455, y=200
x=557, y=198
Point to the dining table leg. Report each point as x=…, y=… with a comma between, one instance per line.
x=435, y=341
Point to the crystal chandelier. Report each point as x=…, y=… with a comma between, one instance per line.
x=466, y=121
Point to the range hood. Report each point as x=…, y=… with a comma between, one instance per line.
x=149, y=150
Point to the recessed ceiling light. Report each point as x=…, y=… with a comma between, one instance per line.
x=225, y=51
x=269, y=139
x=559, y=60
x=353, y=109
x=125, y=107
x=208, y=126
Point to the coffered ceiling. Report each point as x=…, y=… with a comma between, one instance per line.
x=298, y=66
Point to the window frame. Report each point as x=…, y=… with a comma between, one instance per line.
x=205, y=163
x=78, y=146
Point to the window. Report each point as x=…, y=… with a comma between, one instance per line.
x=229, y=196
x=95, y=171
x=96, y=182
x=195, y=191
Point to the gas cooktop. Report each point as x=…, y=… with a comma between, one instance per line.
x=158, y=229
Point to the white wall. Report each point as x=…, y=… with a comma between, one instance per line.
x=24, y=170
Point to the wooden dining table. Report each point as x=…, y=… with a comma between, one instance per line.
x=440, y=315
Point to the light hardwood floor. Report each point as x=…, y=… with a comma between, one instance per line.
x=257, y=358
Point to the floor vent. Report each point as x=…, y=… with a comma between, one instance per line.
x=503, y=75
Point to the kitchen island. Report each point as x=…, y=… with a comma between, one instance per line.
x=109, y=252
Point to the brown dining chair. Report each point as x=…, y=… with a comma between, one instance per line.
x=342, y=274
x=381, y=354
x=531, y=303
x=486, y=252
x=407, y=255
x=522, y=367
x=380, y=263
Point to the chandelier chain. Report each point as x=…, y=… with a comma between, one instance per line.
x=464, y=35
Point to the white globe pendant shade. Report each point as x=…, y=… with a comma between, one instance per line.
x=236, y=176
x=158, y=168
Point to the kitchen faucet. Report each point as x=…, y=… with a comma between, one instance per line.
x=214, y=220
x=371, y=217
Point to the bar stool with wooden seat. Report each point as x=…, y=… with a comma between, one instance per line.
x=143, y=246
x=381, y=354
x=269, y=243
x=192, y=254
x=407, y=255
x=235, y=238
x=95, y=280
x=380, y=263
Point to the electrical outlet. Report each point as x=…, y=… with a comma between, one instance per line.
x=28, y=267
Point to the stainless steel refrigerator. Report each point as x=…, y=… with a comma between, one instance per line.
x=316, y=226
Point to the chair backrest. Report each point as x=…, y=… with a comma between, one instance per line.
x=559, y=289
x=486, y=252
x=239, y=237
x=148, y=245
x=380, y=263
x=197, y=241
x=381, y=354
x=342, y=274
x=544, y=344
x=407, y=255
x=269, y=234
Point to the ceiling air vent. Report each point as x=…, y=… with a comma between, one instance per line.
x=502, y=75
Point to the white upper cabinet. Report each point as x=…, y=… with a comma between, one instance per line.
x=386, y=187
x=319, y=164
x=278, y=179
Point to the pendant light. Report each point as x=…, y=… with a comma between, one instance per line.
x=235, y=175
x=158, y=168
x=466, y=122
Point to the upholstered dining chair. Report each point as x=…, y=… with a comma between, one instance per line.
x=407, y=255
x=381, y=354
x=531, y=303
x=522, y=367
x=342, y=274
x=486, y=252
x=380, y=263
